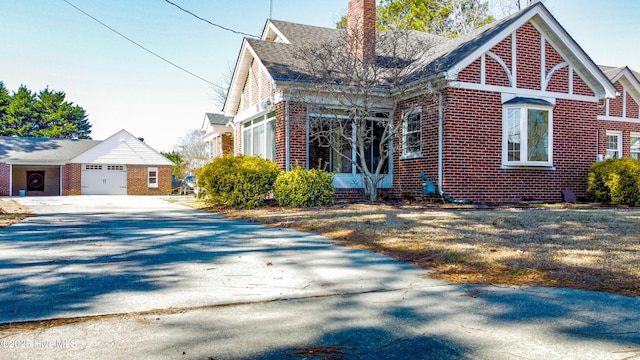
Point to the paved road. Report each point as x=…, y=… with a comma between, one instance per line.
x=240, y=291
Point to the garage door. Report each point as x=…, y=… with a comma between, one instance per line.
x=104, y=179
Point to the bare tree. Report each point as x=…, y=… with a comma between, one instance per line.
x=353, y=94
x=193, y=151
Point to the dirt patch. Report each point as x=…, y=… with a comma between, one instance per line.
x=11, y=212
x=577, y=246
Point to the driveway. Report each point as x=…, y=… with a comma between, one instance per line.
x=171, y=282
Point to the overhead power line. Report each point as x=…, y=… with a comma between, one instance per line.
x=140, y=46
x=210, y=23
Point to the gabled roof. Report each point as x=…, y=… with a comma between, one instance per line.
x=44, y=151
x=276, y=49
x=629, y=79
x=122, y=148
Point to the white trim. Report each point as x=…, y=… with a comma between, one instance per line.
x=525, y=92
x=405, y=114
x=543, y=63
x=547, y=79
x=619, y=149
x=149, y=177
x=607, y=107
x=524, y=138
x=570, y=79
x=504, y=66
x=624, y=102
x=514, y=66
x=483, y=69
x=615, y=118
x=633, y=135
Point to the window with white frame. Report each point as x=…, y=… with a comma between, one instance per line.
x=412, y=132
x=635, y=145
x=259, y=136
x=614, y=145
x=152, y=177
x=527, y=135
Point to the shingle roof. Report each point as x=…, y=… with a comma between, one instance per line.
x=216, y=119
x=42, y=150
x=280, y=60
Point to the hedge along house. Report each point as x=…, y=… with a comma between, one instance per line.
x=120, y=165
x=523, y=114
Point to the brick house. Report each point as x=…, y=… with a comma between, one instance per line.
x=523, y=115
x=120, y=165
x=217, y=136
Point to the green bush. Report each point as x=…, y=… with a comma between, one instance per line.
x=615, y=181
x=238, y=181
x=294, y=188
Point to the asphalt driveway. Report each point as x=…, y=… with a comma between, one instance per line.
x=237, y=290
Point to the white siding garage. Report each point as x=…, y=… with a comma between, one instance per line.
x=102, y=179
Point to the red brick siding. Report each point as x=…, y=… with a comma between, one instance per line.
x=559, y=81
x=227, y=144
x=473, y=149
x=5, y=179
x=580, y=87
x=503, y=50
x=528, y=57
x=471, y=73
x=615, y=105
x=281, y=134
x=137, y=182
x=495, y=74
x=625, y=127
x=406, y=171
x=71, y=179
x=297, y=133
x=632, y=107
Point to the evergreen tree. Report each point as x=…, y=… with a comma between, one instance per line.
x=45, y=114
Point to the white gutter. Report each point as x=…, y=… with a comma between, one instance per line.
x=440, y=139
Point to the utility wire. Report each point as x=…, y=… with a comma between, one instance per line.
x=210, y=23
x=142, y=47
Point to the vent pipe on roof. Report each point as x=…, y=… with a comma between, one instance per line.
x=361, y=29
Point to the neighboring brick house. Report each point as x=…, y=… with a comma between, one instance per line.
x=119, y=165
x=524, y=114
x=217, y=136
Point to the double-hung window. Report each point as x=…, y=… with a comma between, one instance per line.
x=635, y=146
x=614, y=145
x=152, y=177
x=412, y=133
x=527, y=133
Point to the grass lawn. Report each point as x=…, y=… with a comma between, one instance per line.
x=577, y=246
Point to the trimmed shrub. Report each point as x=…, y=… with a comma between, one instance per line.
x=238, y=181
x=615, y=181
x=294, y=188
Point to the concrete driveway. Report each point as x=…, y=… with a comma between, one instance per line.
x=179, y=283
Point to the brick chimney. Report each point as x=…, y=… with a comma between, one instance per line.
x=361, y=29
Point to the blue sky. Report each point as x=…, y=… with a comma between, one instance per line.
x=49, y=43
